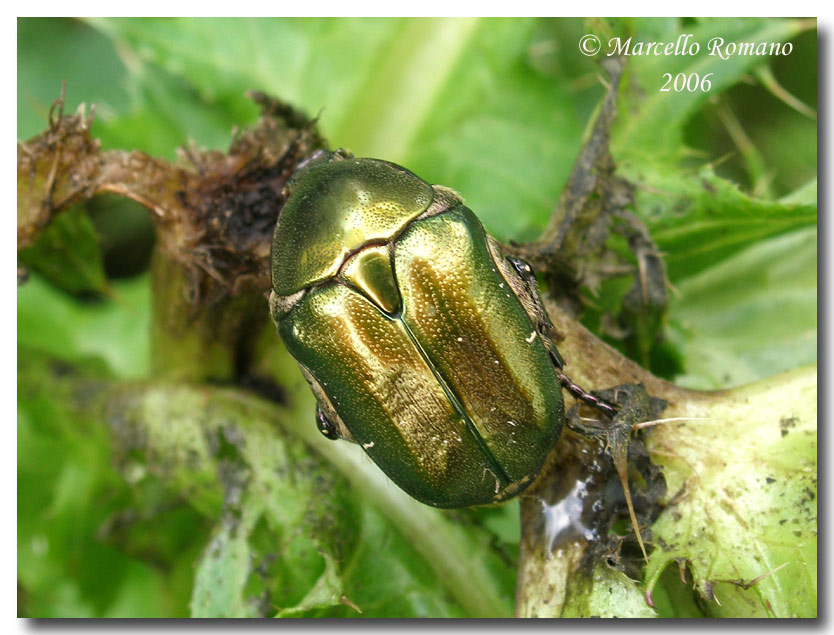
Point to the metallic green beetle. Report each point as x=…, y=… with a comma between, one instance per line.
x=421, y=341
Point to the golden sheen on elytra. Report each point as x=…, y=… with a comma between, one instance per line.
x=417, y=336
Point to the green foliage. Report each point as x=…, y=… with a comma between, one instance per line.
x=656, y=132
x=496, y=109
x=746, y=522
x=114, y=329
x=605, y=593
x=750, y=315
x=68, y=254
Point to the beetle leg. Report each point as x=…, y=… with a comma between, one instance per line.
x=325, y=425
x=592, y=400
x=519, y=275
x=521, y=278
x=328, y=420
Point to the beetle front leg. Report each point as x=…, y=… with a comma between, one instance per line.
x=326, y=426
x=327, y=419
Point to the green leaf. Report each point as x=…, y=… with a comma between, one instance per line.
x=494, y=108
x=673, y=595
x=744, y=516
x=93, y=72
x=805, y=195
x=326, y=593
x=700, y=220
x=371, y=82
x=653, y=133
x=116, y=329
x=221, y=576
x=89, y=543
x=67, y=253
x=751, y=316
x=311, y=63
x=605, y=592
x=286, y=516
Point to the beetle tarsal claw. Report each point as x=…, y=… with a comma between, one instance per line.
x=595, y=402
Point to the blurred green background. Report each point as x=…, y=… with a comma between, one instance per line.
x=494, y=108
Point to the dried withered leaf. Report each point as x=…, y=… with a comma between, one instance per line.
x=214, y=211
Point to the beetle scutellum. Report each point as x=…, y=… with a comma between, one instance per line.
x=421, y=340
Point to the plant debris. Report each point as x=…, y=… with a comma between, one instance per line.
x=214, y=211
